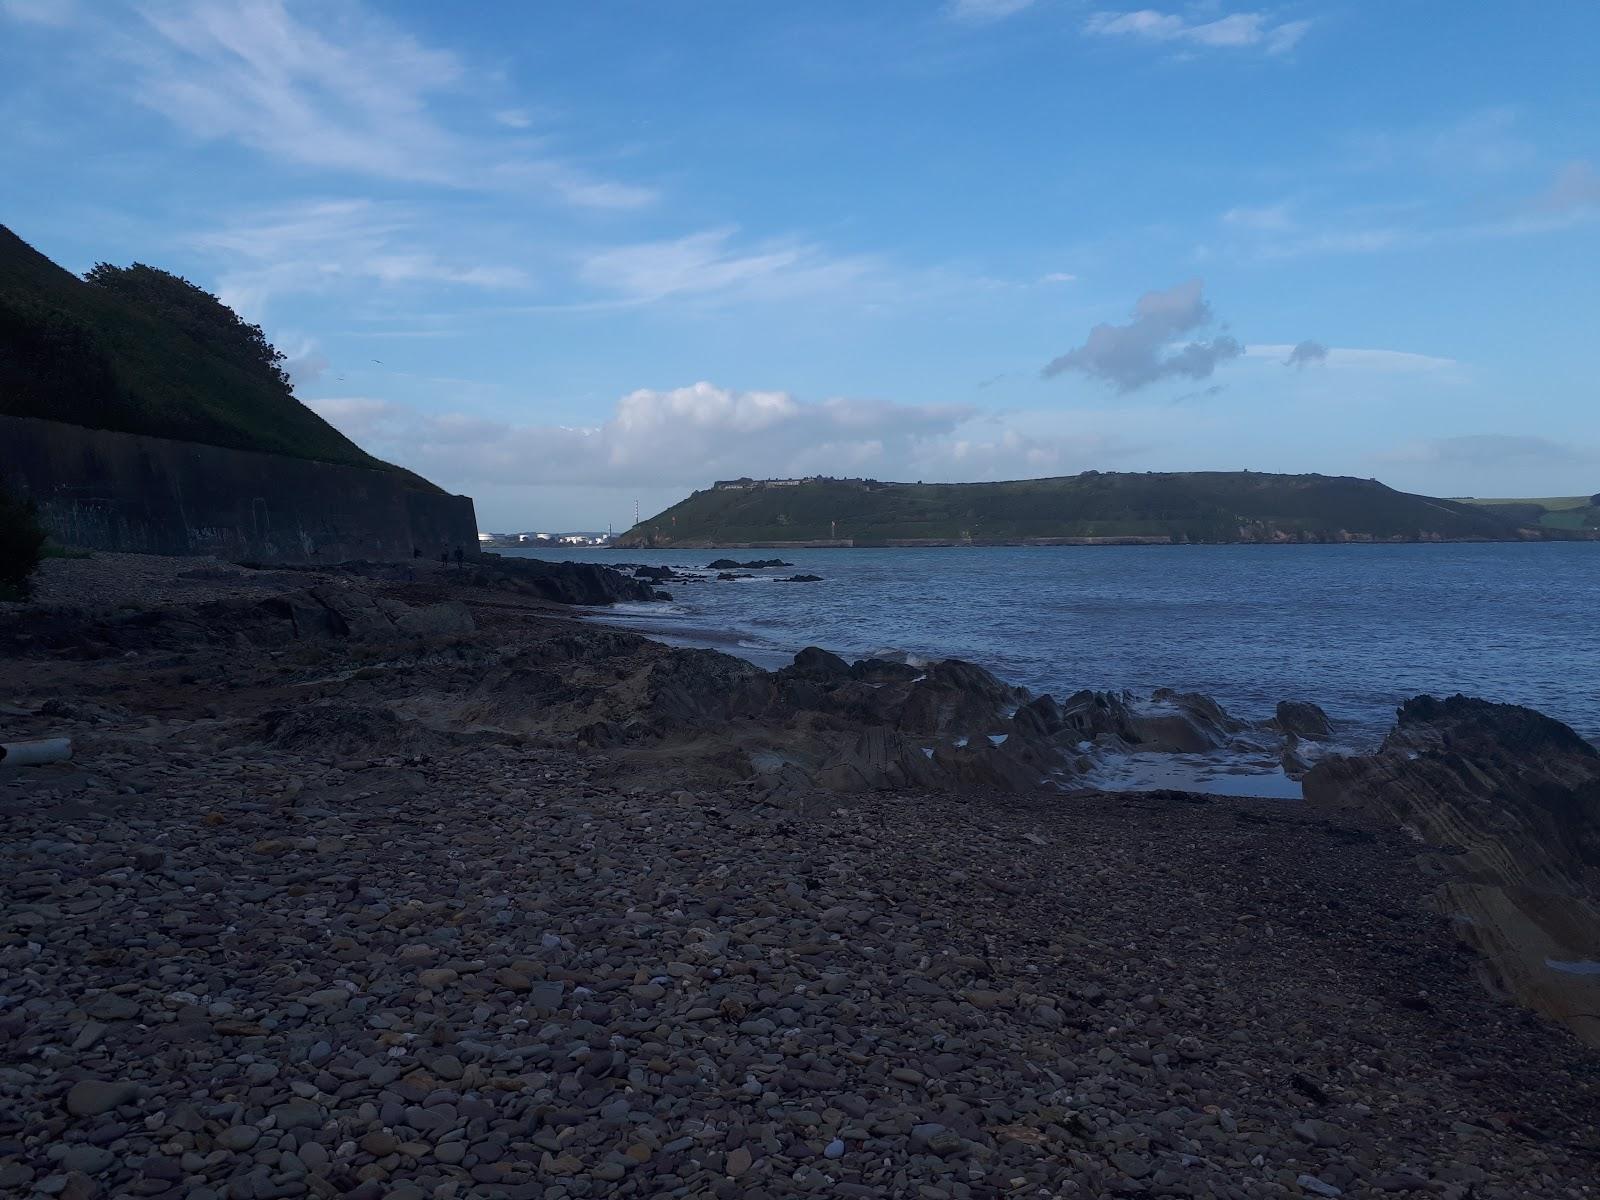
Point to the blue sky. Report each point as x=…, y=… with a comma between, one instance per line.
x=565, y=256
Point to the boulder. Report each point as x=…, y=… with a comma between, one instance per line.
x=1303, y=719
x=1040, y=718
x=816, y=663
x=1512, y=798
x=1183, y=723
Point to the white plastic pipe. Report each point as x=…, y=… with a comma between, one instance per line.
x=28, y=754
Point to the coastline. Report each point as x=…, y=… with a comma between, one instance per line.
x=369, y=910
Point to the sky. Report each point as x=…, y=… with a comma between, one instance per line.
x=570, y=257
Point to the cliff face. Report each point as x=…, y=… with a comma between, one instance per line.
x=102, y=490
x=1511, y=801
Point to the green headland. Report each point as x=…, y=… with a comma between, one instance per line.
x=1096, y=506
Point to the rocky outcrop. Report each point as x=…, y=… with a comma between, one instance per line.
x=346, y=612
x=1511, y=801
x=755, y=564
x=560, y=582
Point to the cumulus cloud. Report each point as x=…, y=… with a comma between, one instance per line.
x=685, y=437
x=1241, y=30
x=1306, y=353
x=679, y=436
x=1143, y=351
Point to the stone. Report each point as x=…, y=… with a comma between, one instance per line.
x=238, y=1137
x=91, y=1160
x=91, y=1097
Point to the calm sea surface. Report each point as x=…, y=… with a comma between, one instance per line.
x=1355, y=628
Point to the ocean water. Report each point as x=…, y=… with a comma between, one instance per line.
x=1356, y=629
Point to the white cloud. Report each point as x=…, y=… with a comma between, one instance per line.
x=325, y=245
x=708, y=263
x=1059, y=277
x=685, y=437
x=349, y=93
x=1143, y=351
x=981, y=12
x=40, y=12
x=1253, y=30
x=1269, y=218
x=1350, y=359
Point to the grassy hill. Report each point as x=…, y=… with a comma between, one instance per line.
x=1203, y=506
x=88, y=355
x=1570, y=513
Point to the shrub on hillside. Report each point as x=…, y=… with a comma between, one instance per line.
x=21, y=543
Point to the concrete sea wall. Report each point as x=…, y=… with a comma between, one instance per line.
x=101, y=490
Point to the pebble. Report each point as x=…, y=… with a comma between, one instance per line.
x=516, y=965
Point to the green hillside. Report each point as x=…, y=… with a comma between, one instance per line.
x=145, y=352
x=1569, y=513
x=1204, y=506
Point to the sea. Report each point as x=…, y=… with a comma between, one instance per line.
x=1354, y=628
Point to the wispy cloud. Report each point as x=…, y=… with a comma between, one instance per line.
x=1241, y=30
x=1346, y=358
x=1270, y=218
x=1488, y=450
x=351, y=94
x=1142, y=351
x=324, y=245
x=981, y=12
x=713, y=263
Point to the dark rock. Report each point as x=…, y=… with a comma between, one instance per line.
x=1515, y=797
x=1301, y=718
x=803, y=579
x=884, y=670
x=816, y=663
x=562, y=583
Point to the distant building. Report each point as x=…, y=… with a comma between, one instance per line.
x=745, y=485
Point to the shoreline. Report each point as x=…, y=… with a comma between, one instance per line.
x=1053, y=542
x=417, y=902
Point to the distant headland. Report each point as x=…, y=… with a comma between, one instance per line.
x=1099, y=508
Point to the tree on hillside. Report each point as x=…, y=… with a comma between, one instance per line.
x=199, y=314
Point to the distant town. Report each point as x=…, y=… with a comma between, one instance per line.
x=490, y=541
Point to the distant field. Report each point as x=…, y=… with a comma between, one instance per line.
x=1549, y=503
x=1548, y=512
